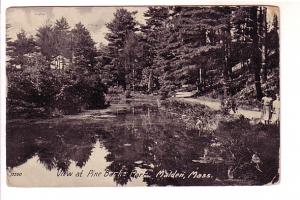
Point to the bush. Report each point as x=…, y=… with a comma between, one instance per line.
x=43, y=92
x=193, y=112
x=67, y=101
x=242, y=140
x=115, y=90
x=29, y=93
x=167, y=90
x=127, y=94
x=93, y=92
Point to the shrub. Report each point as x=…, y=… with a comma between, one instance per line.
x=43, y=92
x=127, y=94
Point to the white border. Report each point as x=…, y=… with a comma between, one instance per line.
x=290, y=131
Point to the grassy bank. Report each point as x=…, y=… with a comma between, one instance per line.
x=250, y=152
x=192, y=112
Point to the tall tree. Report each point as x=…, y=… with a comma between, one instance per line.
x=156, y=20
x=54, y=40
x=119, y=28
x=193, y=45
x=83, y=49
x=62, y=36
x=46, y=42
x=19, y=49
x=272, y=44
x=250, y=35
x=132, y=58
x=256, y=56
x=241, y=35
x=262, y=33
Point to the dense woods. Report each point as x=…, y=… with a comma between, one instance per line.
x=214, y=51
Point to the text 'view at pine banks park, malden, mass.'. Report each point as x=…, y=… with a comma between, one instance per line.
x=142, y=96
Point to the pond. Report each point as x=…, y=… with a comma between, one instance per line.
x=134, y=143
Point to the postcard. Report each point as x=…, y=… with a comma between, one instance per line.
x=142, y=96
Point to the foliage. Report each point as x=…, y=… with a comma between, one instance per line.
x=220, y=51
x=119, y=28
x=83, y=49
x=132, y=59
x=153, y=31
x=36, y=89
x=192, y=113
x=19, y=49
x=210, y=48
x=235, y=140
x=242, y=140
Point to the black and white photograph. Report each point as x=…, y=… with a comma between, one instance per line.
x=143, y=96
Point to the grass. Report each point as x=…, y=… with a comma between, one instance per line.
x=238, y=141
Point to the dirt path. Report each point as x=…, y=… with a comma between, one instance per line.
x=216, y=105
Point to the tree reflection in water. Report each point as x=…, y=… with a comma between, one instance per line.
x=56, y=145
x=147, y=139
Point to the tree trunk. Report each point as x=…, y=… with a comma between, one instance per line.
x=133, y=81
x=150, y=82
x=199, y=83
x=263, y=33
x=256, y=58
x=225, y=65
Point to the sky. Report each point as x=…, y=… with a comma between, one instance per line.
x=94, y=18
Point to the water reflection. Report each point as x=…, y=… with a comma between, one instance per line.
x=144, y=142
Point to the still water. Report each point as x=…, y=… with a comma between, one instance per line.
x=134, y=144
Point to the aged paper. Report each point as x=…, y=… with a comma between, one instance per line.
x=142, y=96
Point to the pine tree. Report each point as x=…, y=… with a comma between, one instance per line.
x=153, y=30
x=119, y=28
x=256, y=56
x=46, y=42
x=83, y=50
x=250, y=43
x=19, y=49
x=193, y=44
x=272, y=45
x=132, y=58
x=62, y=36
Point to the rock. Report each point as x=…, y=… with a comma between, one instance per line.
x=216, y=144
x=203, y=160
x=138, y=162
x=151, y=165
x=230, y=173
x=218, y=160
x=104, y=116
x=255, y=159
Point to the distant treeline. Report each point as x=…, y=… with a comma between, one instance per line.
x=215, y=50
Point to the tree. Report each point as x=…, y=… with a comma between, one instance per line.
x=85, y=82
x=83, y=50
x=132, y=58
x=256, y=56
x=241, y=35
x=46, y=42
x=262, y=33
x=119, y=28
x=63, y=38
x=191, y=46
x=250, y=35
x=156, y=20
x=272, y=45
x=37, y=90
x=19, y=50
